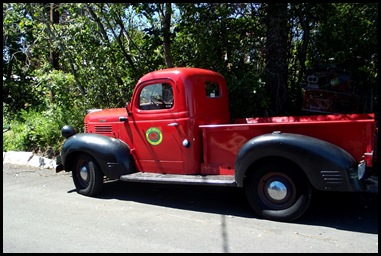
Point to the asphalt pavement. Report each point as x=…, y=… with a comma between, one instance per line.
x=42, y=213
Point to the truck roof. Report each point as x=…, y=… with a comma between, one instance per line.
x=176, y=73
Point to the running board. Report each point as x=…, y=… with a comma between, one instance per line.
x=216, y=180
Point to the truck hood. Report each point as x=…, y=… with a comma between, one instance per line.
x=105, y=115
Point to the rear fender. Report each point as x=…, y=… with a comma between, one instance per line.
x=112, y=155
x=327, y=166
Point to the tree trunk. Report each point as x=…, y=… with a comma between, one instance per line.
x=54, y=19
x=276, y=57
x=54, y=53
x=166, y=22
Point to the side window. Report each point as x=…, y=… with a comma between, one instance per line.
x=156, y=96
x=212, y=89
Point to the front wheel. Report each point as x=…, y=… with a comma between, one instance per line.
x=278, y=191
x=87, y=176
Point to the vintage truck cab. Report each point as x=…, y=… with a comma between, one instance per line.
x=177, y=129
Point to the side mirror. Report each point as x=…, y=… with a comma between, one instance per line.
x=125, y=118
x=128, y=108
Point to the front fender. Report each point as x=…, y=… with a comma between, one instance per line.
x=112, y=155
x=327, y=166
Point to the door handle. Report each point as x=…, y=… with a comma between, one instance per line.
x=173, y=124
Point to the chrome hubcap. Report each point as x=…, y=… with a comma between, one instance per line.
x=277, y=190
x=84, y=173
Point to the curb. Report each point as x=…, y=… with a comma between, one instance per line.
x=28, y=159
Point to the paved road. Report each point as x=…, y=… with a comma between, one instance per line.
x=43, y=214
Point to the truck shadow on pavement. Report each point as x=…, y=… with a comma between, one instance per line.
x=356, y=212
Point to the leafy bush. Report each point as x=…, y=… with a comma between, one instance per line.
x=37, y=127
x=15, y=138
x=39, y=132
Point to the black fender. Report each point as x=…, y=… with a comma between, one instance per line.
x=112, y=155
x=327, y=166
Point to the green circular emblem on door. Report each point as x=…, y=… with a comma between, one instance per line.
x=154, y=136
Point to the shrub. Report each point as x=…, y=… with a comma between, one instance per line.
x=39, y=131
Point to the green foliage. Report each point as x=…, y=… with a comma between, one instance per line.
x=103, y=49
x=246, y=92
x=39, y=131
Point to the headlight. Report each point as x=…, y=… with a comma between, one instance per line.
x=67, y=131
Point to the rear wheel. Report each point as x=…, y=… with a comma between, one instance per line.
x=278, y=191
x=87, y=176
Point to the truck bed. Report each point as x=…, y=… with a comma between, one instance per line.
x=354, y=133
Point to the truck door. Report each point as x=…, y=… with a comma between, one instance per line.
x=157, y=128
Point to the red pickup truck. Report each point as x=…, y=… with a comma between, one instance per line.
x=177, y=129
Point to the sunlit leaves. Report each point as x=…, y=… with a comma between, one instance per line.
x=105, y=52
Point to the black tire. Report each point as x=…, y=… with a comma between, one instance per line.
x=278, y=191
x=87, y=176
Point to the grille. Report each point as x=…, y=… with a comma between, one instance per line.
x=103, y=129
